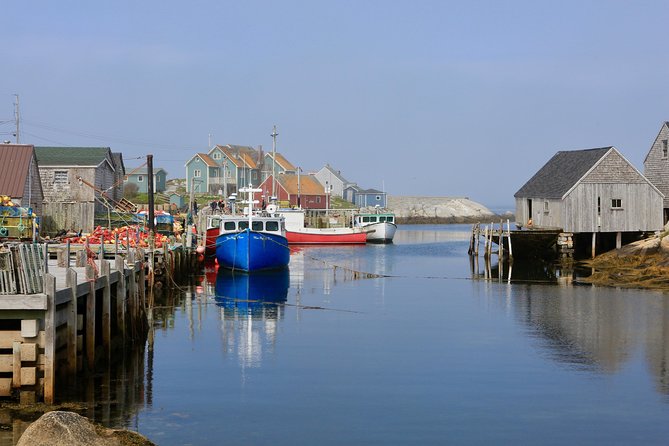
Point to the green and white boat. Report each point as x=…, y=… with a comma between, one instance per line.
x=380, y=226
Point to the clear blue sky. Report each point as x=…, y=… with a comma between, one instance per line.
x=464, y=98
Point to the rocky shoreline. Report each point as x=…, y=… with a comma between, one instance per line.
x=642, y=264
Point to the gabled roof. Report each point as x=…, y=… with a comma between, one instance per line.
x=370, y=191
x=665, y=124
x=119, y=166
x=335, y=173
x=72, y=156
x=14, y=168
x=144, y=170
x=309, y=185
x=561, y=173
x=282, y=161
x=204, y=157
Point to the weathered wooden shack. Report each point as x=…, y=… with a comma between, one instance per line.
x=593, y=191
x=656, y=166
x=70, y=203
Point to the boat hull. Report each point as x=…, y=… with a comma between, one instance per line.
x=382, y=232
x=210, y=241
x=326, y=237
x=252, y=251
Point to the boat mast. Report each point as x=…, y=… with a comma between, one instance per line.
x=274, y=135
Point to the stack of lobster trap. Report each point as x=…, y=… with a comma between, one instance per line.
x=21, y=268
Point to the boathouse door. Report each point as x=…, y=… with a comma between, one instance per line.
x=529, y=209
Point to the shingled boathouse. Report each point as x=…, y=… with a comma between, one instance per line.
x=592, y=198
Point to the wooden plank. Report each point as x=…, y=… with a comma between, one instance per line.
x=6, y=363
x=23, y=302
x=120, y=296
x=8, y=337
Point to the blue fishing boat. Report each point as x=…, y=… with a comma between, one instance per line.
x=252, y=242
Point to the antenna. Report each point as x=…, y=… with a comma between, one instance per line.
x=17, y=117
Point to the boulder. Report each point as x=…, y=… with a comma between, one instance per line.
x=70, y=429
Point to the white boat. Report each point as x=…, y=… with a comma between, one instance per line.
x=380, y=226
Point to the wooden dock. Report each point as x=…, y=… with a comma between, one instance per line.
x=69, y=324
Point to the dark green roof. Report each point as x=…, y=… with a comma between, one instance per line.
x=71, y=156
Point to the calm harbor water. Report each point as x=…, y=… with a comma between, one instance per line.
x=425, y=355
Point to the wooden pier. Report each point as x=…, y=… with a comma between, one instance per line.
x=57, y=320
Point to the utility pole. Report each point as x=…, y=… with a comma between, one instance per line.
x=149, y=174
x=17, y=118
x=299, y=204
x=274, y=135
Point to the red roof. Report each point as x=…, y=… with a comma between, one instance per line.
x=14, y=168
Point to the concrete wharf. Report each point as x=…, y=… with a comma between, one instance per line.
x=57, y=320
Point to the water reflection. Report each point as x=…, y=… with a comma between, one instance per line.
x=250, y=307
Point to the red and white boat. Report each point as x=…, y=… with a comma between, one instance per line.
x=212, y=231
x=298, y=234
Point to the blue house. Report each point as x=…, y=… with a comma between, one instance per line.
x=139, y=177
x=365, y=197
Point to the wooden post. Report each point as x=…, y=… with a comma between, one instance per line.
x=594, y=244
x=619, y=240
x=71, y=283
x=45, y=247
x=49, y=338
x=90, y=318
x=120, y=296
x=106, y=309
x=16, y=364
x=115, y=244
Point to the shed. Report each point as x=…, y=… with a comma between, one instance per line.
x=590, y=191
x=656, y=166
x=19, y=176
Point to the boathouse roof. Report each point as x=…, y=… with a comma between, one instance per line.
x=561, y=173
x=14, y=168
x=309, y=185
x=72, y=156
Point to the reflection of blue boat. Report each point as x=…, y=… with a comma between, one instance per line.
x=251, y=293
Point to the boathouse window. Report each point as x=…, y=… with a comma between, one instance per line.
x=140, y=179
x=664, y=148
x=229, y=225
x=616, y=203
x=60, y=177
x=546, y=208
x=197, y=173
x=272, y=225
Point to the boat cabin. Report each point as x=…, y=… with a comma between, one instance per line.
x=368, y=219
x=271, y=225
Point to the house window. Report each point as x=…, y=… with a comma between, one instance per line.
x=664, y=148
x=616, y=203
x=197, y=173
x=378, y=198
x=254, y=175
x=60, y=177
x=318, y=199
x=546, y=206
x=217, y=155
x=140, y=178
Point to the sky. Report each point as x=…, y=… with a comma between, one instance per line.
x=429, y=98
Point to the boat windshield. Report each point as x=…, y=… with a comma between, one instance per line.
x=229, y=226
x=272, y=225
x=243, y=225
x=256, y=226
